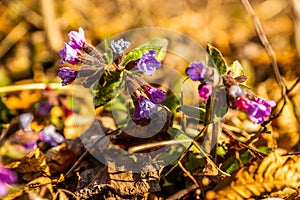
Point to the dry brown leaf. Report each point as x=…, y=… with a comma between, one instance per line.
x=272, y=174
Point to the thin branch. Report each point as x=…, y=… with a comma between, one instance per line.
x=157, y=144
x=32, y=86
x=262, y=36
x=188, y=174
x=209, y=159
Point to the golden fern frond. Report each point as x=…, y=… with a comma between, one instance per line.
x=273, y=173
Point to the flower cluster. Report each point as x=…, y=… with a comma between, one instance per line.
x=197, y=72
x=49, y=134
x=257, y=108
x=148, y=63
x=6, y=177
x=70, y=53
x=119, y=46
x=78, y=50
x=144, y=107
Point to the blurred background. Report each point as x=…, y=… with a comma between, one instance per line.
x=33, y=31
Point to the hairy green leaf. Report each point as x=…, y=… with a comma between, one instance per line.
x=158, y=44
x=216, y=59
x=236, y=68
x=194, y=112
x=105, y=91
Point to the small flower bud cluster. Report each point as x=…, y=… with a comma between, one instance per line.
x=197, y=72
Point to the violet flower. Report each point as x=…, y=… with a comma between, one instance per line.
x=6, y=177
x=144, y=108
x=119, y=46
x=67, y=75
x=77, y=39
x=44, y=108
x=259, y=109
x=155, y=95
x=49, y=134
x=148, y=63
x=68, y=54
x=268, y=103
x=196, y=71
x=205, y=91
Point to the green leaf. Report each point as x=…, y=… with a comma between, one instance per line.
x=216, y=59
x=221, y=150
x=232, y=164
x=180, y=135
x=245, y=156
x=194, y=161
x=265, y=150
x=103, y=93
x=158, y=44
x=194, y=112
x=236, y=68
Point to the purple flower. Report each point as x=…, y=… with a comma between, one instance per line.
x=258, y=112
x=242, y=103
x=30, y=145
x=119, y=46
x=67, y=75
x=6, y=177
x=44, y=108
x=77, y=39
x=196, y=71
x=155, y=95
x=68, y=54
x=49, y=134
x=144, y=108
x=269, y=103
x=148, y=63
x=205, y=91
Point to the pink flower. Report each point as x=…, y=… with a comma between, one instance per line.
x=205, y=91
x=242, y=103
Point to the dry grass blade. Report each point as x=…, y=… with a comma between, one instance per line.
x=273, y=173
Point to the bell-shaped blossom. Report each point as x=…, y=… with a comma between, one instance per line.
x=144, y=108
x=205, y=91
x=49, y=134
x=77, y=39
x=68, y=54
x=196, y=71
x=119, y=46
x=155, y=95
x=67, y=75
x=6, y=177
x=148, y=63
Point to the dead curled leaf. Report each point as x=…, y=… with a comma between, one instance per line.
x=125, y=183
x=272, y=174
x=32, y=165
